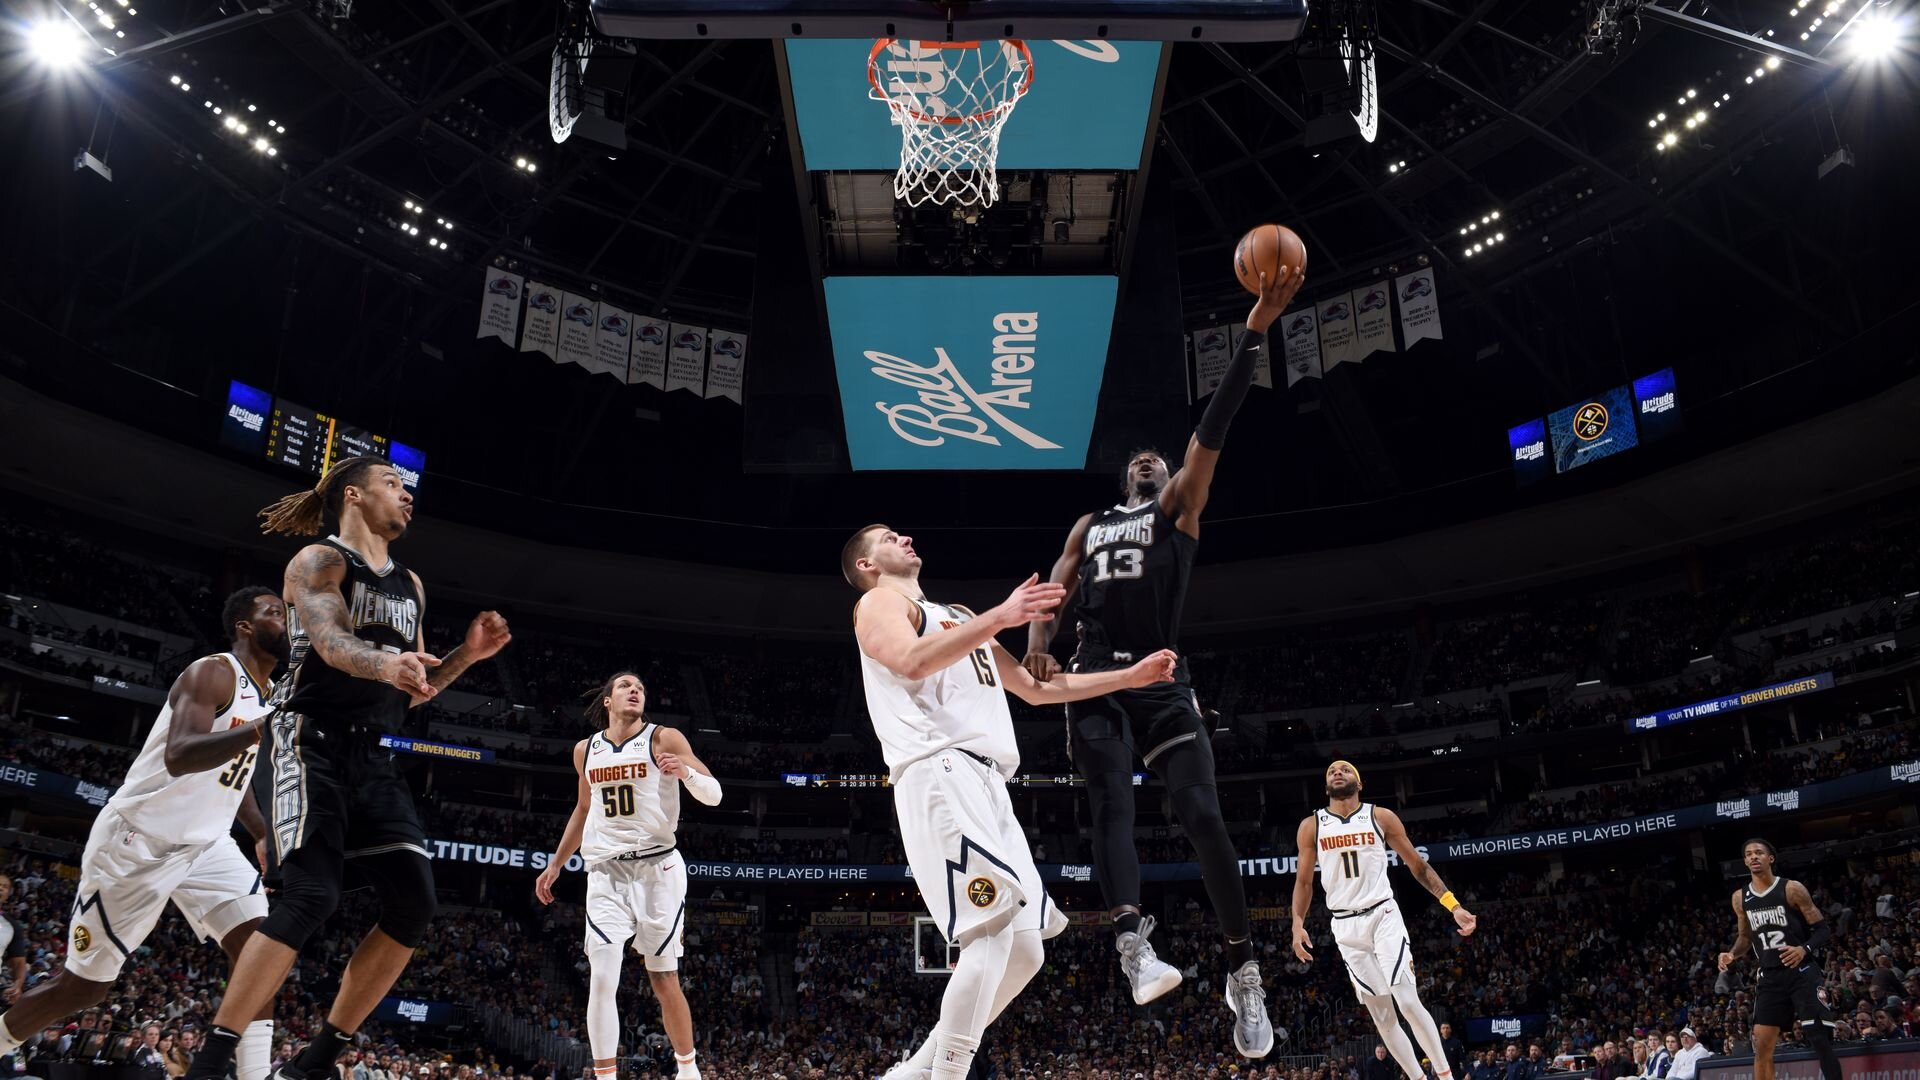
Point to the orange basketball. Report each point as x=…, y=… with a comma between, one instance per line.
x=1265, y=249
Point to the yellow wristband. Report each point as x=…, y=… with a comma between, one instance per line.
x=1447, y=901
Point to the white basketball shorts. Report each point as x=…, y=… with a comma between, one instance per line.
x=642, y=899
x=1376, y=949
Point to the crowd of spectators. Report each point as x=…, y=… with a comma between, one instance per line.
x=1507, y=647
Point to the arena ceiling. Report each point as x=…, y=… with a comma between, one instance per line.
x=1744, y=251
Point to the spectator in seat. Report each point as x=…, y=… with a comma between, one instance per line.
x=1378, y=1067
x=1686, y=1062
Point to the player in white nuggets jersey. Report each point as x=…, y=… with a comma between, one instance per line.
x=623, y=826
x=936, y=684
x=165, y=835
x=1349, y=841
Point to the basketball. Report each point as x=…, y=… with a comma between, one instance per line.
x=1266, y=248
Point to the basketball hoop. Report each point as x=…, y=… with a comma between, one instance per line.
x=950, y=99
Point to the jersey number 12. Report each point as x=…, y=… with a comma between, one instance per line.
x=1773, y=939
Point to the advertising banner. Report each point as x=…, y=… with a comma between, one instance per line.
x=400, y=744
x=1746, y=699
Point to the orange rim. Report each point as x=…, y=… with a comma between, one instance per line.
x=873, y=77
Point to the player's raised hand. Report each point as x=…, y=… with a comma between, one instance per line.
x=1275, y=294
x=407, y=671
x=1041, y=665
x=1157, y=668
x=1465, y=920
x=670, y=765
x=1031, y=601
x=487, y=635
x=543, y=885
x=1726, y=960
x=1302, y=945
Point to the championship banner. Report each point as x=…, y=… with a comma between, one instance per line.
x=1300, y=337
x=578, y=317
x=1419, y=307
x=610, y=341
x=542, y=332
x=1212, y=348
x=1746, y=699
x=1262, y=364
x=686, y=358
x=649, y=364
x=725, y=374
x=500, y=307
x=1373, y=309
x=400, y=744
x=1338, y=342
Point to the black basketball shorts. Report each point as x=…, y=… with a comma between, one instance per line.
x=333, y=784
x=1107, y=734
x=1785, y=995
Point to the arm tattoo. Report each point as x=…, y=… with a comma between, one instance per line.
x=1431, y=880
x=452, y=666
x=324, y=612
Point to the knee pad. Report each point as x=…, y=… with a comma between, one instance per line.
x=309, y=892
x=404, y=882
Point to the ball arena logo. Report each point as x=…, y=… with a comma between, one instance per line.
x=1590, y=421
x=506, y=287
x=1734, y=808
x=949, y=405
x=543, y=300
x=580, y=313
x=981, y=892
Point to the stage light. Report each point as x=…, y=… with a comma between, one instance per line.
x=106, y=20
x=1692, y=123
x=1495, y=215
x=1874, y=37
x=1661, y=145
x=1662, y=117
x=186, y=86
x=1477, y=248
x=519, y=163
x=272, y=152
x=1773, y=63
x=54, y=44
x=1499, y=237
x=253, y=108
x=174, y=79
x=1463, y=232
x=1393, y=168
x=239, y=127
x=260, y=144
x=1653, y=123
x=1691, y=94
x=1701, y=116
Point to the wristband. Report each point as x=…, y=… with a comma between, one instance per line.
x=1447, y=900
x=704, y=788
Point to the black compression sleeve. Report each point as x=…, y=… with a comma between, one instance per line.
x=1818, y=935
x=1212, y=432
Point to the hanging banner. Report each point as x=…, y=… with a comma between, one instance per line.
x=1338, y=342
x=1300, y=337
x=1212, y=348
x=649, y=363
x=1419, y=307
x=578, y=314
x=500, y=307
x=686, y=358
x=727, y=371
x=1262, y=363
x=610, y=342
x=542, y=332
x=1373, y=308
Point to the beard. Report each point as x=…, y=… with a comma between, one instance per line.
x=1148, y=486
x=275, y=646
x=1342, y=791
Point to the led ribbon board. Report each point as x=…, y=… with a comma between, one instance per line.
x=969, y=373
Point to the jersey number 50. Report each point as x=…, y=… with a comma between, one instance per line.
x=617, y=801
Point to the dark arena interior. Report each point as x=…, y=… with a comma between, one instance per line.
x=1534, y=708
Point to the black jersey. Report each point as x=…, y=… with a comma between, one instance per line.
x=1134, y=568
x=1774, y=922
x=383, y=608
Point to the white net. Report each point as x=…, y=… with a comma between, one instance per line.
x=950, y=101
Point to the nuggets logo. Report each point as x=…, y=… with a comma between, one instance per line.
x=981, y=892
x=1590, y=422
x=82, y=939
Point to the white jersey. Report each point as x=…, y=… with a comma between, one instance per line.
x=632, y=808
x=961, y=707
x=1352, y=854
x=196, y=808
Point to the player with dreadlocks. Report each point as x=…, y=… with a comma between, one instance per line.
x=330, y=790
x=1776, y=919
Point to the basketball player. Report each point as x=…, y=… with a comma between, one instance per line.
x=936, y=683
x=166, y=834
x=623, y=826
x=1777, y=919
x=332, y=792
x=1130, y=564
x=1354, y=837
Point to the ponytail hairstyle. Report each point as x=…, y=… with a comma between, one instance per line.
x=304, y=513
x=597, y=713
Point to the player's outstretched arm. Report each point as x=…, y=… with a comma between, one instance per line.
x=570, y=839
x=486, y=636
x=1395, y=832
x=1187, y=491
x=201, y=693
x=1819, y=930
x=888, y=626
x=1066, y=574
x=1309, y=857
x=1019, y=681
x=675, y=755
x=312, y=589
x=1742, y=935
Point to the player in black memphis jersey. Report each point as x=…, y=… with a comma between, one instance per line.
x=330, y=791
x=1129, y=564
x=1777, y=920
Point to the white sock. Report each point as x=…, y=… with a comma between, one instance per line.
x=953, y=1057
x=9, y=1042
x=688, y=1070
x=921, y=1059
x=253, y=1057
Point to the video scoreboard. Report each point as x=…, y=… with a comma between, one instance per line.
x=287, y=433
x=1599, y=426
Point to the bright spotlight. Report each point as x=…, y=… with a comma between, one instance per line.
x=55, y=44
x=1773, y=63
x=1874, y=37
x=260, y=145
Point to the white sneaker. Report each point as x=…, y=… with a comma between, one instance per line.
x=1252, y=1031
x=906, y=1070
x=1149, y=975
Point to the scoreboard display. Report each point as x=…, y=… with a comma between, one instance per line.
x=291, y=434
x=1597, y=427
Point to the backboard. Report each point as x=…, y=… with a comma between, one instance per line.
x=1076, y=20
